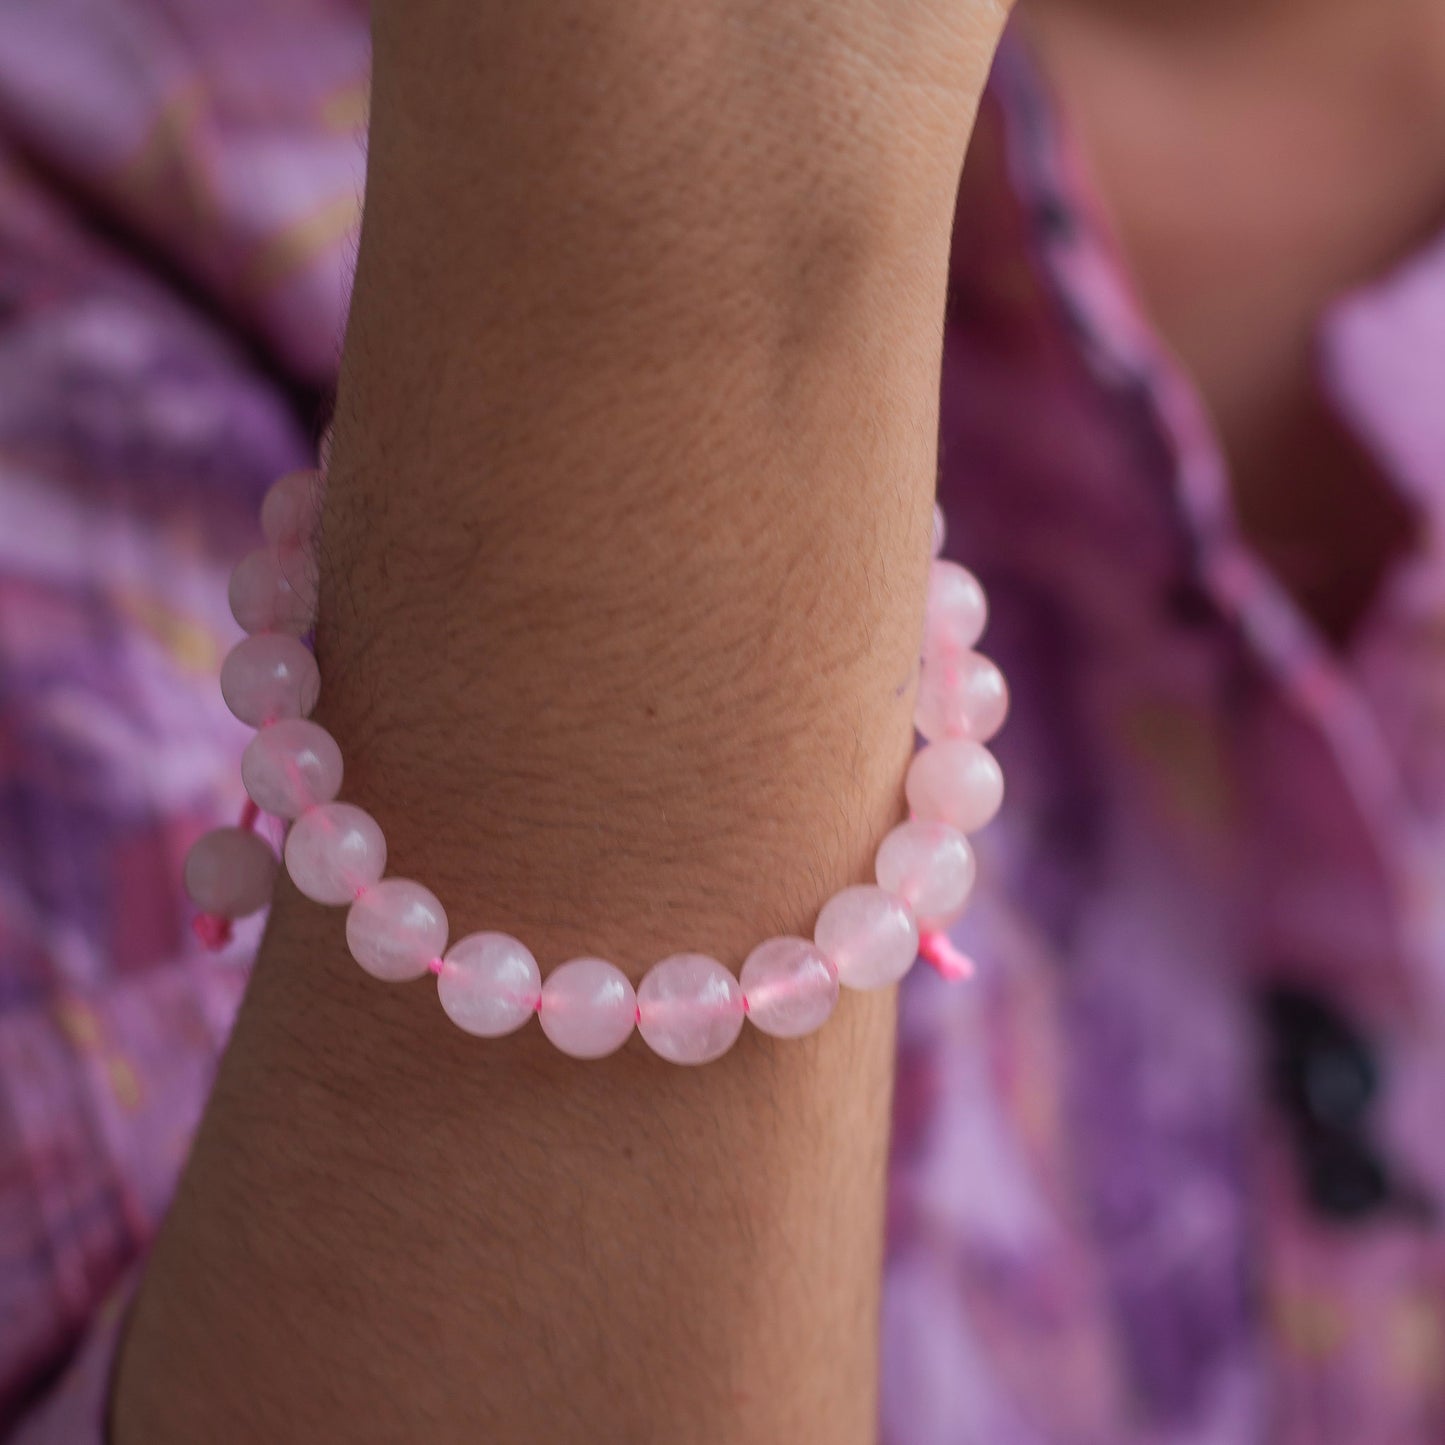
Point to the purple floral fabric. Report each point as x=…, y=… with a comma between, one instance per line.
x=1108, y=1225
x=1105, y=1227
x=178, y=188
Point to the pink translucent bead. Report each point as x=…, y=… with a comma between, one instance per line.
x=395, y=929
x=334, y=852
x=689, y=1009
x=264, y=599
x=489, y=984
x=931, y=867
x=960, y=696
x=940, y=530
x=298, y=568
x=870, y=936
x=269, y=677
x=291, y=766
x=957, y=611
x=790, y=985
x=955, y=781
x=230, y=871
x=291, y=507
x=588, y=1008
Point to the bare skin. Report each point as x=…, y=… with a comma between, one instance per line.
x=1291, y=152
x=624, y=562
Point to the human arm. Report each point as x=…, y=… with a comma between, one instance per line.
x=622, y=580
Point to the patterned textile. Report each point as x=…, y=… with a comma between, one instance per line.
x=179, y=188
x=1110, y=1222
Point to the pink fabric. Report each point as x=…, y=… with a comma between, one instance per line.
x=179, y=185
x=1103, y=1228
x=74, y=1410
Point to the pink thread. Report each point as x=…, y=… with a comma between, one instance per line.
x=436, y=965
x=950, y=962
x=213, y=929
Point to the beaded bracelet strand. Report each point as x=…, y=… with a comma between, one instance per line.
x=689, y=1008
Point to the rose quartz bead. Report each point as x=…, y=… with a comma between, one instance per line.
x=269, y=677
x=334, y=852
x=298, y=569
x=790, y=985
x=940, y=530
x=290, y=508
x=689, y=1009
x=870, y=936
x=489, y=984
x=263, y=599
x=955, y=781
x=961, y=696
x=588, y=1008
x=291, y=766
x=957, y=611
x=230, y=871
x=931, y=867
x=395, y=929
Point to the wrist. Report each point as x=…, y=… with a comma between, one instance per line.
x=619, y=779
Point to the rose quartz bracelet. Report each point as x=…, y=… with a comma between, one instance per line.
x=689, y=1008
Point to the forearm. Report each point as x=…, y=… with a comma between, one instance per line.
x=622, y=580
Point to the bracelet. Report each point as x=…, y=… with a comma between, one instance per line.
x=689, y=1008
